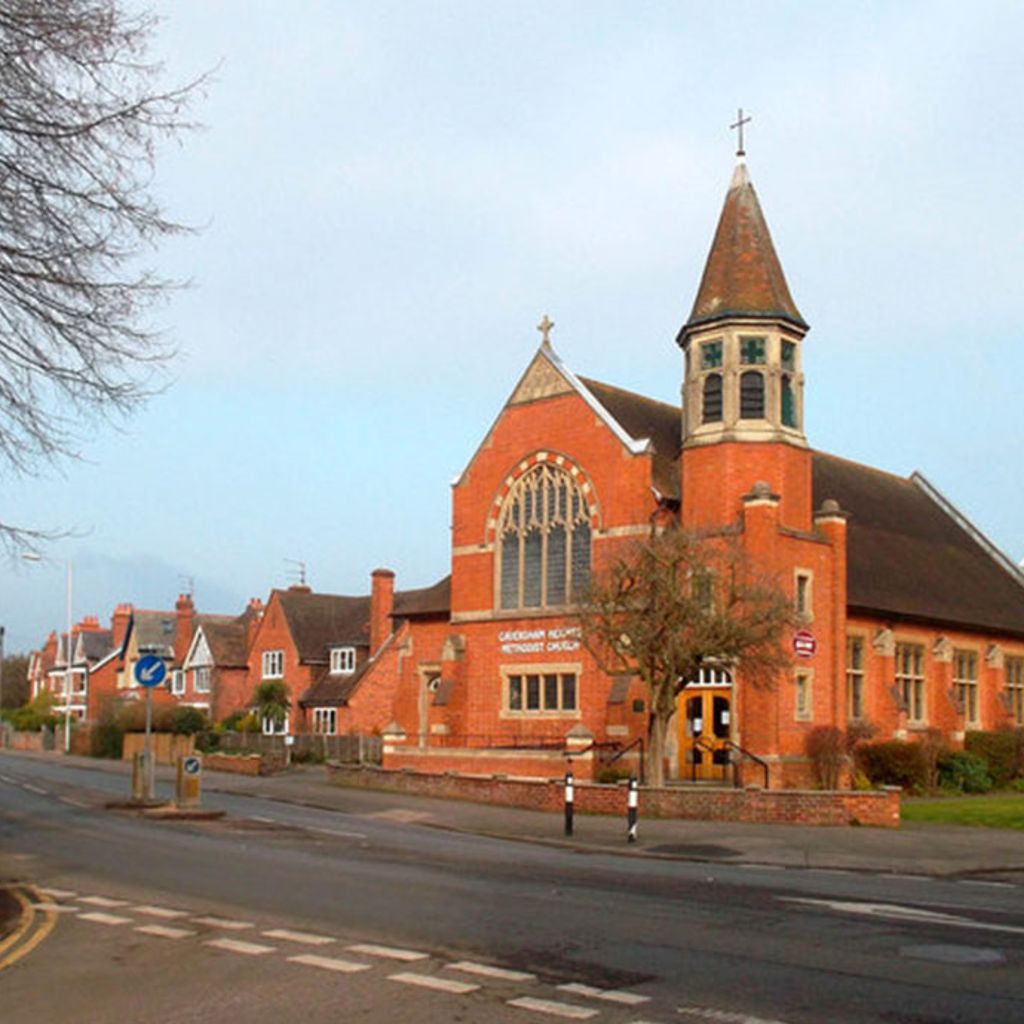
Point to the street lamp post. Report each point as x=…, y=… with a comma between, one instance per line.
x=31, y=556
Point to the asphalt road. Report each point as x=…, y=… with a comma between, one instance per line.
x=648, y=940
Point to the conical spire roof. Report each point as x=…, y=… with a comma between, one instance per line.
x=743, y=276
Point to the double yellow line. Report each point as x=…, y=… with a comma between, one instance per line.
x=32, y=928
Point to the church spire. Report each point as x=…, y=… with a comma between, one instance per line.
x=742, y=276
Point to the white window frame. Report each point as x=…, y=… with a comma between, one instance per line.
x=913, y=685
x=273, y=664
x=325, y=721
x=178, y=682
x=855, y=676
x=269, y=728
x=201, y=679
x=343, y=661
x=965, y=683
x=543, y=709
x=1013, y=668
x=803, y=594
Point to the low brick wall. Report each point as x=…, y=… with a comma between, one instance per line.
x=245, y=764
x=880, y=808
x=33, y=741
x=166, y=747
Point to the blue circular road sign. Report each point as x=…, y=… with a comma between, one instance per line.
x=150, y=670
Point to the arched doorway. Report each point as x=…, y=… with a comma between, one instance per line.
x=705, y=725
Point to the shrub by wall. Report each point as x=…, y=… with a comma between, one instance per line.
x=1002, y=751
x=894, y=763
x=964, y=772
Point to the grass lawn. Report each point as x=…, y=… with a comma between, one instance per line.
x=999, y=810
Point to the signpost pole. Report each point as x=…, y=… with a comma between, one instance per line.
x=147, y=752
x=149, y=671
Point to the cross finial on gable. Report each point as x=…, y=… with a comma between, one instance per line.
x=545, y=329
x=740, y=122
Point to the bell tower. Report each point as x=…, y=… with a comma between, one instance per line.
x=743, y=382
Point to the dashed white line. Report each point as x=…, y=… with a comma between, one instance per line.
x=7, y=778
x=487, y=971
x=266, y=821
x=329, y=963
x=102, y=901
x=553, y=1008
x=223, y=922
x=58, y=894
x=910, y=878
x=165, y=912
x=55, y=908
x=388, y=952
x=164, y=931
x=305, y=937
x=611, y=995
x=100, y=918
x=246, y=948
x=458, y=988
x=34, y=789
x=71, y=802
x=338, y=832
x=723, y=1016
x=987, y=885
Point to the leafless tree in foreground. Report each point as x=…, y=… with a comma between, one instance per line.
x=81, y=115
x=674, y=603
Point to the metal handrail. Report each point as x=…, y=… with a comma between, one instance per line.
x=731, y=745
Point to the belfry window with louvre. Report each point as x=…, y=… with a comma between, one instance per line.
x=543, y=540
x=752, y=395
x=712, y=411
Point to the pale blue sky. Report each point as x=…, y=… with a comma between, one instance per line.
x=395, y=193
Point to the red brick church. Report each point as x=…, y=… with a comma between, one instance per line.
x=911, y=619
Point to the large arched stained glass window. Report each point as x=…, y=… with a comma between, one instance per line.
x=543, y=540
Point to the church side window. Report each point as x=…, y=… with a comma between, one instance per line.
x=1015, y=688
x=544, y=541
x=711, y=355
x=855, y=677
x=712, y=411
x=965, y=682
x=910, y=680
x=752, y=351
x=752, y=395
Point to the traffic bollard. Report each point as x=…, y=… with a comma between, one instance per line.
x=568, y=803
x=631, y=811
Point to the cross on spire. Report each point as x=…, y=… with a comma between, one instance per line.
x=740, y=122
x=545, y=329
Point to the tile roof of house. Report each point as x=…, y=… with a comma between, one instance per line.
x=743, y=276
x=433, y=600
x=320, y=621
x=909, y=554
x=96, y=643
x=227, y=638
x=155, y=631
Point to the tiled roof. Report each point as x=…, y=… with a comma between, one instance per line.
x=96, y=643
x=155, y=631
x=908, y=556
x=743, y=276
x=320, y=621
x=332, y=691
x=433, y=600
x=227, y=639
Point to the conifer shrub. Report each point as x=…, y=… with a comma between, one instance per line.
x=964, y=772
x=1002, y=751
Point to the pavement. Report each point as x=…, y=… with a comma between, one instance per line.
x=913, y=849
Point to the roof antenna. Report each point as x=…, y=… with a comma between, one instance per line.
x=297, y=574
x=189, y=583
x=740, y=122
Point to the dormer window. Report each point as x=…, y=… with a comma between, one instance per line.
x=343, y=661
x=752, y=351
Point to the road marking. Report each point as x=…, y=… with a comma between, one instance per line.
x=829, y=871
x=611, y=995
x=71, y=803
x=555, y=1009
x=894, y=912
x=266, y=821
x=329, y=963
x=223, y=922
x=763, y=867
x=911, y=878
x=164, y=932
x=458, y=988
x=247, y=948
x=165, y=912
x=724, y=1016
x=59, y=894
x=388, y=952
x=307, y=937
x=100, y=918
x=7, y=778
x=34, y=789
x=102, y=901
x=55, y=908
x=487, y=971
x=989, y=885
x=16, y=945
x=337, y=832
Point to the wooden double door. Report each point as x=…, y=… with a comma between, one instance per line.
x=705, y=726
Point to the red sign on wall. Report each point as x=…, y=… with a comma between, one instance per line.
x=804, y=644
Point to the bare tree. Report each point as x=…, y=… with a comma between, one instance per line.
x=81, y=115
x=674, y=603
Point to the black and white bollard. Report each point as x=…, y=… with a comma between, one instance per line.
x=631, y=811
x=568, y=803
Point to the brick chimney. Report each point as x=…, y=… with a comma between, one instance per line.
x=185, y=612
x=119, y=623
x=382, y=599
x=254, y=611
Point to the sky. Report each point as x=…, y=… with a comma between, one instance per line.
x=391, y=195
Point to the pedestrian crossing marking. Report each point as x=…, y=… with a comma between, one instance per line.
x=329, y=963
x=458, y=988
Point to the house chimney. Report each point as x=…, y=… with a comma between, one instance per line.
x=185, y=612
x=382, y=599
x=119, y=623
x=254, y=615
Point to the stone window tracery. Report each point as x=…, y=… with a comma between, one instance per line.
x=543, y=541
